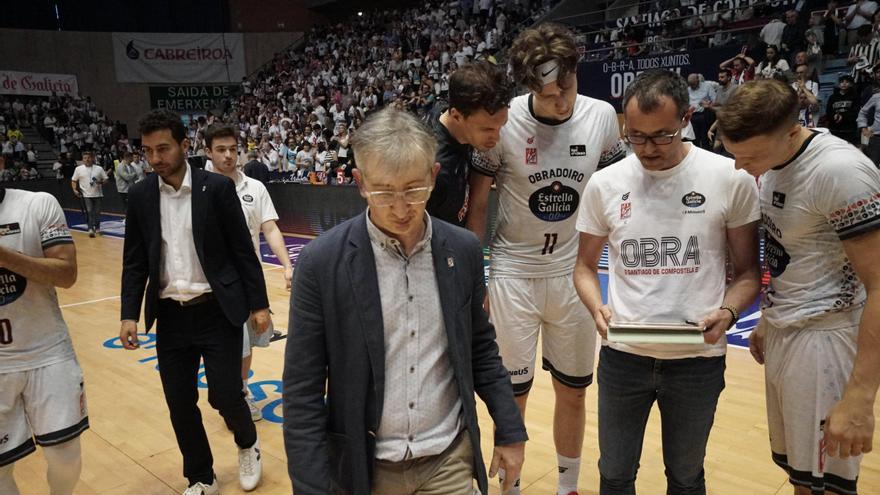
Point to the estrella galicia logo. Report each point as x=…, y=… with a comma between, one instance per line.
x=12, y=286
x=625, y=197
x=554, y=203
x=778, y=199
x=776, y=256
x=693, y=199
x=577, y=150
x=10, y=229
x=247, y=198
x=131, y=51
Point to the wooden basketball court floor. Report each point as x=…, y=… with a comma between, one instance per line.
x=130, y=447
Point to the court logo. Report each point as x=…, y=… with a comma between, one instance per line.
x=577, y=150
x=12, y=286
x=693, y=199
x=531, y=156
x=778, y=199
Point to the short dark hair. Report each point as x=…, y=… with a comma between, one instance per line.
x=649, y=86
x=479, y=85
x=158, y=120
x=215, y=131
x=758, y=108
x=725, y=71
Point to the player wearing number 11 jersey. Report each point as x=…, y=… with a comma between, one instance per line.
x=552, y=143
x=41, y=384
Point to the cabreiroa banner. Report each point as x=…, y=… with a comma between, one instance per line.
x=37, y=83
x=179, y=57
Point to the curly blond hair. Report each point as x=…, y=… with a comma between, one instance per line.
x=535, y=46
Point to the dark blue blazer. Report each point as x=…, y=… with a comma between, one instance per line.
x=336, y=336
x=222, y=240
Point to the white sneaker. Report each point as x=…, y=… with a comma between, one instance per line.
x=203, y=489
x=256, y=413
x=250, y=467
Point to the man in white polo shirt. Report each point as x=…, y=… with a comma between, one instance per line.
x=672, y=214
x=222, y=148
x=87, y=183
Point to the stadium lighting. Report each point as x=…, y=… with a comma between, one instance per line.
x=360, y=14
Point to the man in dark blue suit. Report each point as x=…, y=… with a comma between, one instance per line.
x=187, y=244
x=386, y=315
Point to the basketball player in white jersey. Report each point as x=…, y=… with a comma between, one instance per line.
x=222, y=148
x=42, y=400
x=819, y=334
x=553, y=141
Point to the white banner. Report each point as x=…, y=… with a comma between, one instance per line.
x=179, y=57
x=37, y=84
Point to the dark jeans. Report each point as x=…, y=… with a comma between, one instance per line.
x=124, y=197
x=686, y=391
x=185, y=335
x=93, y=210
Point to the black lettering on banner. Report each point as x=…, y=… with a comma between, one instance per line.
x=5, y=332
x=549, y=243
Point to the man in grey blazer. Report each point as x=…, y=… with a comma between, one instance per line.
x=386, y=316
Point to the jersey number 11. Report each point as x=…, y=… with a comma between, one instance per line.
x=549, y=243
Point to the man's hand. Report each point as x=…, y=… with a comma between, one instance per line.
x=756, y=342
x=261, y=320
x=510, y=458
x=288, y=276
x=128, y=334
x=867, y=132
x=76, y=193
x=603, y=319
x=849, y=427
x=715, y=325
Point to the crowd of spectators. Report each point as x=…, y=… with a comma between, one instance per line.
x=70, y=124
x=298, y=113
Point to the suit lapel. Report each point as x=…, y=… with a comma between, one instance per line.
x=154, y=212
x=445, y=268
x=361, y=266
x=199, y=209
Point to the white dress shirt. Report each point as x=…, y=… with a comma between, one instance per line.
x=182, y=277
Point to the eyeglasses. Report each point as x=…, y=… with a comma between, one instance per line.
x=660, y=140
x=414, y=196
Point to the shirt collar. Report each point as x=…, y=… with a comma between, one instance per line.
x=240, y=180
x=185, y=185
x=393, y=245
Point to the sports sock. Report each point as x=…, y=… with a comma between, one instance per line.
x=569, y=469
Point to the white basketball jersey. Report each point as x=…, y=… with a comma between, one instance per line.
x=32, y=331
x=828, y=193
x=541, y=170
